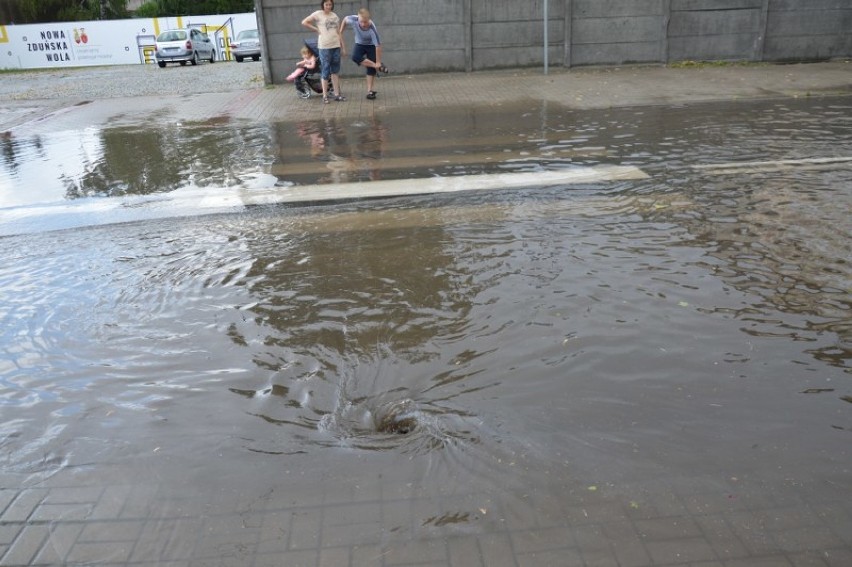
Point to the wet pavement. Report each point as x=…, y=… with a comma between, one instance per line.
x=470, y=324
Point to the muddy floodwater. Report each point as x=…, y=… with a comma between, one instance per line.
x=640, y=371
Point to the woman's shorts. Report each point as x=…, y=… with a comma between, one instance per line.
x=362, y=52
x=330, y=62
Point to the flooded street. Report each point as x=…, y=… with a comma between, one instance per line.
x=645, y=370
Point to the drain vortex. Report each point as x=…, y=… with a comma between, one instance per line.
x=403, y=424
x=398, y=418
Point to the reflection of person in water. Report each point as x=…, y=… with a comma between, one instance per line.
x=308, y=132
x=370, y=148
x=345, y=162
x=9, y=151
x=338, y=155
x=329, y=145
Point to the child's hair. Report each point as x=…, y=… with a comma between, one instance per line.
x=306, y=52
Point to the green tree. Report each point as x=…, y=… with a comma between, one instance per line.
x=39, y=11
x=155, y=8
x=148, y=10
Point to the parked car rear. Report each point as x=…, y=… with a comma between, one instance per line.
x=182, y=46
x=247, y=44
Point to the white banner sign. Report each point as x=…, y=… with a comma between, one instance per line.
x=107, y=42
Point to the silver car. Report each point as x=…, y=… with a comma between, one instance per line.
x=247, y=44
x=182, y=46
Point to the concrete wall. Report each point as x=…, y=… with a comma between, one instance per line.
x=808, y=29
x=467, y=35
x=610, y=32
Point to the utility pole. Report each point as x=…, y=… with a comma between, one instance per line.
x=546, y=41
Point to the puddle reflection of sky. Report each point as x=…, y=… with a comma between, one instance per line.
x=33, y=170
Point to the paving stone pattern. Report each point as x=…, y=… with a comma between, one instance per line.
x=678, y=525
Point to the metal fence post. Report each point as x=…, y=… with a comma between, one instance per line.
x=664, y=31
x=546, y=42
x=760, y=43
x=468, y=35
x=568, y=33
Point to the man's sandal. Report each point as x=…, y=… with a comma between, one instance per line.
x=371, y=95
x=383, y=69
x=325, y=100
x=340, y=98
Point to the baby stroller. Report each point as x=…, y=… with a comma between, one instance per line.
x=311, y=81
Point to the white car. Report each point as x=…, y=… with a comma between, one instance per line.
x=182, y=46
x=246, y=45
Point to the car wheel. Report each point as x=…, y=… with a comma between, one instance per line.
x=161, y=64
x=239, y=59
x=194, y=58
x=212, y=55
x=256, y=57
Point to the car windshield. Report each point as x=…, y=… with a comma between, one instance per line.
x=247, y=34
x=172, y=35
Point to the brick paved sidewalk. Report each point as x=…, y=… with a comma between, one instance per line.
x=580, y=89
x=575, y=88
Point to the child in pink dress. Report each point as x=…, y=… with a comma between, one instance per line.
x=308, y=62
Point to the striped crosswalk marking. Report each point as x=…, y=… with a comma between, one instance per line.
x=736, y=168
x=431, y=185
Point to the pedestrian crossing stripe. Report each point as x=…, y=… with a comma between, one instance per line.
x=205, y=200
x=433, y=185
x=735, y=168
